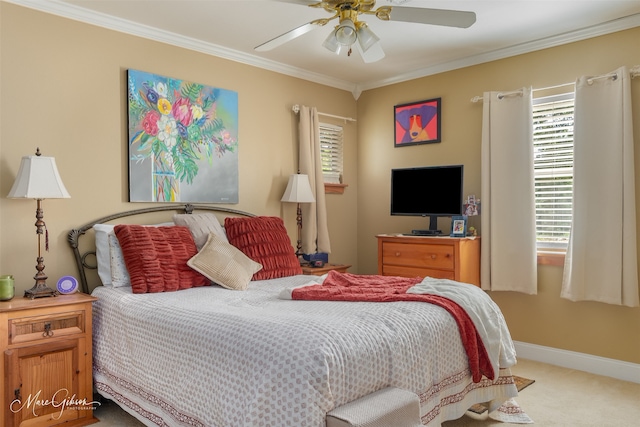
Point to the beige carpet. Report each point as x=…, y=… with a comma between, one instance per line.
x=563, y=397
x=559, y=398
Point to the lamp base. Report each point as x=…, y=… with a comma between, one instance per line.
x=40, y=290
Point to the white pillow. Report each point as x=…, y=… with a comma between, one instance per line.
x=103, y=256
x=201, y=225
x=119, y=273
x=224, y=264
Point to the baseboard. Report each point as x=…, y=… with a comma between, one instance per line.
x=583, y=362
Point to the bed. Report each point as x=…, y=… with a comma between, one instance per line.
x=248, y=354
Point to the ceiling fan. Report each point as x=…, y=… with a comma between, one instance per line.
x=350, y=31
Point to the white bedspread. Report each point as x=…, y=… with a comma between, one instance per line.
x=215, y=357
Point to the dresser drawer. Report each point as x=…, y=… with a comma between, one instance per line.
x=418, y=255
x=37, y=328
x=396, y=270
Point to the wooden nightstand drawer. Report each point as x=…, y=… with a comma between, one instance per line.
x=415, y=255
x=44, y=327
x=45, y=361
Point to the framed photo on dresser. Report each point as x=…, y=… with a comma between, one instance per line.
x=458, y=226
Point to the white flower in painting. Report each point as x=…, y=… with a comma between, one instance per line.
x=167, y=131
x=161, y=88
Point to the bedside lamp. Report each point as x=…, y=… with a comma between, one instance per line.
x=298, y=191
x=38, y=179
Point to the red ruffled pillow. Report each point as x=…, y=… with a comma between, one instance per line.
x=264, y=239
x=156, y=258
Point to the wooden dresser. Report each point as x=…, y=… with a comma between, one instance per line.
x=46, y=363
x=455, y=258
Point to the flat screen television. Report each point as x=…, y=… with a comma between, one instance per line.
x=431, y=191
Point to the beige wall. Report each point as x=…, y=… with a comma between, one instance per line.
x=546, y=319
x=63, y=88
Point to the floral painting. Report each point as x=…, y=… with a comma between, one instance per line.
x=183, y=141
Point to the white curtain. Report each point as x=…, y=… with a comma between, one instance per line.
x=315, y=232
x=601, y=260
x=508, y=255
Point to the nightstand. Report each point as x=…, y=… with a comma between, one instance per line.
x=46, y=351
x=319, y=271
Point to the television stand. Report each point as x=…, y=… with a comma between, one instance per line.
x=426, y=232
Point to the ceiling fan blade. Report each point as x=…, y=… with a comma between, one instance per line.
x=448, y=18
x=288, y=36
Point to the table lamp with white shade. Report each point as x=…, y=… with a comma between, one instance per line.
x=298, y=191
x=38, y=179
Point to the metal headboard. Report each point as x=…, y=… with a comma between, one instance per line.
x=75, y=234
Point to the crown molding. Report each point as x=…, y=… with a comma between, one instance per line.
x=621, y=24
x=80, y=14
x=76, y=13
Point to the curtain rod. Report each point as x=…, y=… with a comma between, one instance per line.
x=500, y=95
x=612, y=76
x=634, y=72
x=296, y=109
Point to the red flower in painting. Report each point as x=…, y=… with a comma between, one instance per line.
x=150, y=122
x=182, y=111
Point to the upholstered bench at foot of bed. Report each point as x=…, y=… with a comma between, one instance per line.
x=383, y=408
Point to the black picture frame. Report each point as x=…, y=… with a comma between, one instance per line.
x=417, y=123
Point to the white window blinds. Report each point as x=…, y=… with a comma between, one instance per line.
x=553, y=166
x=331, y=141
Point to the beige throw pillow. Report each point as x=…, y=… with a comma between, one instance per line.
x=224, y=264
x=200, y=226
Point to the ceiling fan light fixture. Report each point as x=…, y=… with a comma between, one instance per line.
x=366, y=37
x=346, y=33
x=331, y=43
x=373, y=54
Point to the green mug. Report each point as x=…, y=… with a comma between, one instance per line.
x=7, y=288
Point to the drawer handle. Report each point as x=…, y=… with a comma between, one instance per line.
x=397, y=253
x=433, y=256
x=47, y=330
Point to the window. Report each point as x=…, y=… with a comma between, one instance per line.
x=331, y=141
x=553, y=170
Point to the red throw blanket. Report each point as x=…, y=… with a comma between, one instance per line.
x=372, y=288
